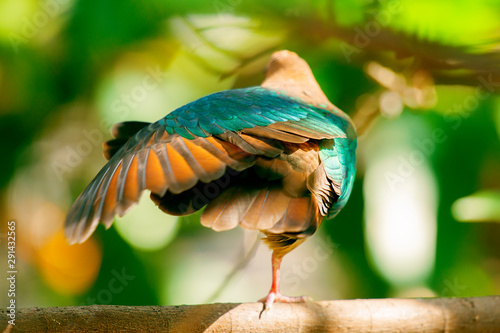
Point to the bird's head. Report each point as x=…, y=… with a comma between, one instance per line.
x=288, y=64
x=290, y=74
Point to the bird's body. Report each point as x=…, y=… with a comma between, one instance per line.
x=278, y=158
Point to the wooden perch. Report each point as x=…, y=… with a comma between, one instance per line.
x=478, y=314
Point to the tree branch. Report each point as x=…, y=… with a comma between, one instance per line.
x=478, y=314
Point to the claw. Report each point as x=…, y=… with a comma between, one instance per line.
x=277, y=297
x=274, y=294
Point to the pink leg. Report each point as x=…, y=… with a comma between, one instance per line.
x=274, y=294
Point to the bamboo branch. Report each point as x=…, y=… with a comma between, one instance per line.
x=478, y=314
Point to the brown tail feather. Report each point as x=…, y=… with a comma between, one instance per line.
x=267, y=209
x=301, y=217
x=228, y=209
x=262, y=207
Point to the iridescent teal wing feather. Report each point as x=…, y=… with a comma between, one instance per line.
x=339, y=159
x=238, y=109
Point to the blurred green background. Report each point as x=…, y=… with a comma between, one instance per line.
x=420, y=78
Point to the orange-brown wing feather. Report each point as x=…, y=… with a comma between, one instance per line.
x=129, y=183
x=155, y=161
x=207, y=165
x=183, y=176
x=155, y=176
x=108, y=202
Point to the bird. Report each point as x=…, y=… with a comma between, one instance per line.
x=279, y=158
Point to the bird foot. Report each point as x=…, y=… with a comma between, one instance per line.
x=277, y=297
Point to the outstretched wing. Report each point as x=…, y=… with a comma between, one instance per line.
x=196, y=143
